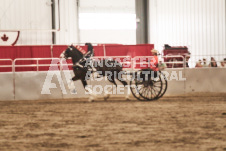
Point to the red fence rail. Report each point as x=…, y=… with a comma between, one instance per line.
x=54, y=51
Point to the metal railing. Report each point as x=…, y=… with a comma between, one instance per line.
x=7, y=66
x=131, y=63
x=147, y=63
x=37, y=64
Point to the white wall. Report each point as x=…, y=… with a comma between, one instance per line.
x=68, y=22
x=34, y=15
x=198, y=24
x=27, y=14
x=113, y=21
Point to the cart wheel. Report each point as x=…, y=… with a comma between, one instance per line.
x=151, y=88
x=135, y=86
x=164, y=84
x=146, y=89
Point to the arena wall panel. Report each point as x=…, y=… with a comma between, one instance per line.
x=205, y=80
x=176, y=83
x=73, y=89
x=29, y=85
x=198, y=80
x=106, y=85
x=217, y=78
x=94, y=85
x=7, y=87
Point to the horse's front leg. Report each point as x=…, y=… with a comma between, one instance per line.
x=88, y=90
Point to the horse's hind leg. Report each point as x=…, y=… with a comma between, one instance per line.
x=89, y=91
x=112, y=79
x=121, y=80
x=107, y=92
x=119, y=77
x=84, y=83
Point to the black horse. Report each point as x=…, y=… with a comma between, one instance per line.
x=82, y=65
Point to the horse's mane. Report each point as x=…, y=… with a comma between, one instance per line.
x=90, y=48
x=81, y=51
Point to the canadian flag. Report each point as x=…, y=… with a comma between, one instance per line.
x=8, y=37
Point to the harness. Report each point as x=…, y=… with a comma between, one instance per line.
x=82, y=62
x=80, y=49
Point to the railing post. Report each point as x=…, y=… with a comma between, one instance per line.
x=104, y=50
x=37, y=65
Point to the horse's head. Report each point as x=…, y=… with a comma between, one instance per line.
x=73, y=53
x=67, y=53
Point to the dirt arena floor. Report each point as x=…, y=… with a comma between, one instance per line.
x=171, y=123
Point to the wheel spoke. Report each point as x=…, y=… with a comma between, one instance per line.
x=150, y=94
x=147, y=94
x=154, y=90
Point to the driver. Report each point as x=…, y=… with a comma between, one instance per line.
x=153, y=64
x=154, y=61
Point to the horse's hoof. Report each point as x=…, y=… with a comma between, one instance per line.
x=73, y=91
x=91, y=99
x=127, y=98
x=106, y=96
